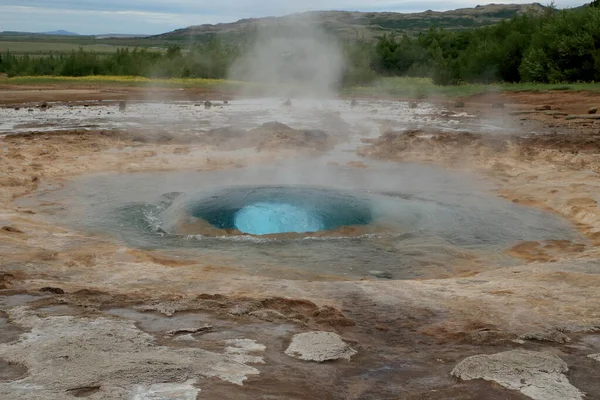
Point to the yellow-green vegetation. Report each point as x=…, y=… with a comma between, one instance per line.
x=424, y=87
x=54, y=47
x=127, y=81
x=396, y=86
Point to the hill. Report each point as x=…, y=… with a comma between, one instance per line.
x=60, y=33
x=364, y=25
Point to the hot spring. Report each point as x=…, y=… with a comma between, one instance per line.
x=406, y=220
x=267, y=210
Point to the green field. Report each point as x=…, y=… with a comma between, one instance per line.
x=423, y=87
x=396, y=87
x=54, y=47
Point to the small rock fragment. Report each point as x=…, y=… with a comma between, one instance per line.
x=412, y=104
x=122, y=105
x=11, y=229
x=54, y=290
x=579, y=328
x=459, y=104
x=543, y=108
x=353, y=103
x=593, y=110
x=207, y=104
x=186, y=331
x=381, y=274
x=550, y=335
x=319, y=346
x=497, y=105
x=288, y=102
x=268, y=315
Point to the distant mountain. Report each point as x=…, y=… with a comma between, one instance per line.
x=365, y=25
x=118, y=36
x=60, y=33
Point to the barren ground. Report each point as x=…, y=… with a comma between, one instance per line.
x=84, y=316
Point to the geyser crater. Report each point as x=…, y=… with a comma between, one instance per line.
x=267, y=210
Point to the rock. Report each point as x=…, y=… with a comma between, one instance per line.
x=595, y=357
x=353, y=103
x=319, y=346
x=538, y=375
x=491, y=336
x=122, y=105
x=17, y=108
x=543, y=108
x=185, y=331
x=522, y=112
x=593, y=110
x=497, y=105
x=413, y=104
x=44, y=106
x=269, y=315
x=207, y=104
x=381, y=274
x=288, y=102
x=54, y=290
x=579, y=328
x=459, y=104
x=241, y=309
x=551, y=335
x=11, y=229
x=583, y=116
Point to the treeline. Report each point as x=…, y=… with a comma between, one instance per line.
x=559, y=46
x=207, y=60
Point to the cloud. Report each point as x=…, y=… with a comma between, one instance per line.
x=157, y=16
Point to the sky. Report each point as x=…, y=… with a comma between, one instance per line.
x=159, y=16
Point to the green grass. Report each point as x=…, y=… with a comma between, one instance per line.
x=423, y=87
x=396, y=87
x=54, y=47
x=126, y=81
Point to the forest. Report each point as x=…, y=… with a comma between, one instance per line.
x=554, y=47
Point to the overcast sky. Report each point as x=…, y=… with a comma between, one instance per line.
x=158, y=16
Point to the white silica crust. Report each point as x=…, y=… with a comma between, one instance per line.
x=538, y=375
x=319, y=346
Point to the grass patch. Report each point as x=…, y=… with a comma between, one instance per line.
x=398, y=86
x=131, y=81
x=423, y=88
x=33, y=48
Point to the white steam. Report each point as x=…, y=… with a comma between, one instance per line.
x=292, y=57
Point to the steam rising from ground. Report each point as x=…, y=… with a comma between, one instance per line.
x=295, y=57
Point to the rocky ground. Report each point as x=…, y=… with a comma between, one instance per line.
x=82, y=315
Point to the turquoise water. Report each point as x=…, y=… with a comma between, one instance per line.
x=266, y=218
x=263, y=210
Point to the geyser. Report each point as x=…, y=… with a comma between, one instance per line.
x=266, y=210
x=266, y=218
